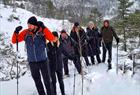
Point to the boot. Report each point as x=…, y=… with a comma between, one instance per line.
x=109, y=65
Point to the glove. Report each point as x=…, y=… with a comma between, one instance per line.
x=18, y=29
x=117, y=40
x=73, y=57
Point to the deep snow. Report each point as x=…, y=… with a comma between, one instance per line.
x=96, y=82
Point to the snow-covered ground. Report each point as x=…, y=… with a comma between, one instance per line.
x=96, y=82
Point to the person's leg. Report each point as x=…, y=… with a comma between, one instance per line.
x=35, y=72
x=104, y=52
x=92, y=60
x=60, y=80
x=86, y=60
x=98, y=58
x=53, y=76
x=109, y=48
x=110, y=52
x=47, y=78
x=66, y=69
x=77, y=64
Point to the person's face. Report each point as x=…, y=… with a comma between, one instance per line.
x=55, y=39
x=76, y=29
x=64, y=35
x=31, y=27
x=106, y=24
x=91, y=26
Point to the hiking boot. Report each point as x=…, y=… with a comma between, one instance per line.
x=109, y=66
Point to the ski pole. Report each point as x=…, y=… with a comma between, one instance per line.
x=17, y=62
x=74, y=82
x=117, y=60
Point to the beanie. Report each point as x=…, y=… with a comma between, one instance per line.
x=76, y=24
x=41, y=24
x=55, y=34
x=63, y=31
x=32, y=20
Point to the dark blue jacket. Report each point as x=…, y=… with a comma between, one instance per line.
x=93, y=37
x=36, y=47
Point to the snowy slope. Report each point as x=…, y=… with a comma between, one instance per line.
x=7, y=27
x=96, y=82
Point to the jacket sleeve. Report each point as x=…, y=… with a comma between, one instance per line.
x=48, y=35
x=114, y=33
x=20, y=36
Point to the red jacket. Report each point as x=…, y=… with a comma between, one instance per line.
x=21, y=36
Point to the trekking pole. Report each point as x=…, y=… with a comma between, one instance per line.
x=17, y=62
x=117, y=60
x=80, y=51
x=74, y=82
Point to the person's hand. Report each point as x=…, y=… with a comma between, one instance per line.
x=73, y=57
x=18, y=29
x=118, y=40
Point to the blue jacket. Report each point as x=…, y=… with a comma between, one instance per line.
x=36, y=47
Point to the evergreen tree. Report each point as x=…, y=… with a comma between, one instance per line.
x=123, y=17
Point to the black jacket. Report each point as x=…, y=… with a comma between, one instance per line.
x=55, y=56
x=68, y=45
x=81, y=39
x=93, y=37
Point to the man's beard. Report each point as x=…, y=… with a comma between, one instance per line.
x=32, y=30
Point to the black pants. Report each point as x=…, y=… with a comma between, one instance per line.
x=38, y=69
x=97, y=57
x=107, y=47
x=86, y=60
x=59, y=74
x=66, y=68
x=76, y=63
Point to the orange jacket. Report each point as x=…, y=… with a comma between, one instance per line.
x=21, y=36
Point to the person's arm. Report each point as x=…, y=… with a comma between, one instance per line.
x=65, y=53
x=20, y=36
x=114, y=33
x=48, y=35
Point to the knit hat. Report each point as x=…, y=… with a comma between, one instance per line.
x=55, y=34
x=76, y=24
x=63, y=31
x=41, y=24
x=32, y=20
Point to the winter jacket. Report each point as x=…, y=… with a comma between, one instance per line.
x=79, y=37
x=107, y=34
x=35, y=43
x=93, y=37
x=55, y=55
x=68, y=45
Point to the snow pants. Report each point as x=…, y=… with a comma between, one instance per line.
x=59, y=74
x=107, y=47
x=38, y=69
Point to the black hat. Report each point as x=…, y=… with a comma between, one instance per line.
x=55, y=34
x=32, y=20
x=63, y=31
x=41, y=24
x=76, y=24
